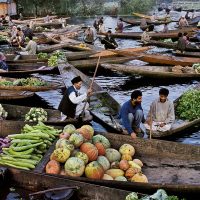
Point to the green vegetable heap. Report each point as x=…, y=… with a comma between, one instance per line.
x=27, y=148
x=159, y=195
x=56, y=56
x=24, y=82
x=3, y=113
x=196, y=67
x=3, y=38
x=36, y=115
x=42, y=56
x=188, y=106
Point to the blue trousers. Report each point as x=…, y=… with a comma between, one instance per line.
x=137, y=119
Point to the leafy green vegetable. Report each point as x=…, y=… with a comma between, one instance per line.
x=132, y=196
x=42, y=55
x=188, y=106
x=53, y=61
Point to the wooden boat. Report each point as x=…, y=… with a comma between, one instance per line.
x=138, y=22
x=142, y=15
x=168, y=165
x=154, y=72
x=168, y=60
x=23, y=181
x=103, y=106
x=49, y=86
x=91, y=63
x=153, y=35
x=169, y=45
x=13, y=94
x=187, y=53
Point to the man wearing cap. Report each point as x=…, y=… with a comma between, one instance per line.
x=73, y=103
x=89, y=36
x=109, y=42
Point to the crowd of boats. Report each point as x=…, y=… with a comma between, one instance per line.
x=168, y=165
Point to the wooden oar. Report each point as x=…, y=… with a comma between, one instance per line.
x=91, y=85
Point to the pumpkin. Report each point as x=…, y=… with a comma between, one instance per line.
x=123, y=164
x=70, y=128
x=115, y=165
x=134, y=165
x=115, y=172
x=139, y=177
x=100, y=138
x=131, y=172
x=107, y=177
x=74, y=167
x=127, y=149
x=64, y=136
x=94, y=170
x=126, y=157
x=104, y=162
x=86, y=131
x=53, y=167
x=76, y=139
x=112, y=155
x=100, y=148
x=82, y=156
x=120, y=178
x=62, y=143
x=139, y=162
x=90, y=150
x=60, y=155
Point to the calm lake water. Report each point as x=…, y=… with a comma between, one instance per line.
x=120, y=86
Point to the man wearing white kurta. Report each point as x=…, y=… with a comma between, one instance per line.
x=161, y=113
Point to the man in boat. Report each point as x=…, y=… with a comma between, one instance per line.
x=131, y=114
x=181, y=45
x=96, y=25
x=89, y=35
x=145, y=38
x=28, y=31
x=167, y=17
x=183, y=22
x=73, y=103
x=109, y=42
x=153, y=18
x=3, y=65
x=161, y=115
x=102, y=28
x=165, y=28
x=143, y=24
x=120, y=26
x=20, y=37
x=31, y=47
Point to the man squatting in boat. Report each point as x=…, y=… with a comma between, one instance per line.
x=161, y=114
x=73, y=103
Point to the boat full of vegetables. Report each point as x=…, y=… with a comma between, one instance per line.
x=3, y=113
x=36, y=115
x=27, y=148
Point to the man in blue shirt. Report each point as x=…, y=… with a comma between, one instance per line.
x=131, y=114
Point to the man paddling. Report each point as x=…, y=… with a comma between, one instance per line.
x=109, y=42
x=131, y=114
x=73, y=103
x=161, y=113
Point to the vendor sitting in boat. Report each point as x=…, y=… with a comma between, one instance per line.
x=89, y=35
x=161, y=114
x=73, y=103
x=3, y=65
x=145, y=38
x=109, y=42
x=131, y=114
x=183, y=22
x=120, y=26
x=143, y=24
x=31, y=48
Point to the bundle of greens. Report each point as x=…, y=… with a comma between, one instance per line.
x=196, y=67
x=42, y=55
x=3, y=113
x=56, y=56
x=36, y=115
x=4, y=82
x=29, y=82
x=188, y=105
x=28, y=147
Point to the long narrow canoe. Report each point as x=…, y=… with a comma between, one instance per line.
x=169, y=45
x=187, y=53
x=49, y=86
x=168, y=60
x=91, y=63
x=141, y=15
x=168, y=165
x=103, y=106
x=154, y=72
x=31, y=182
x=12, y=94
x=153, y=35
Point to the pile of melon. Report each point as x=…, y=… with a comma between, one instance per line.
x=79, y=152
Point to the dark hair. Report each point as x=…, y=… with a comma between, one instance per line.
x=135, y=94
x=109, y=31
x=18, y=28
x=185, y=33
x=28, y=25
x=164, y=91
x=30, y=37
x=180, y=34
